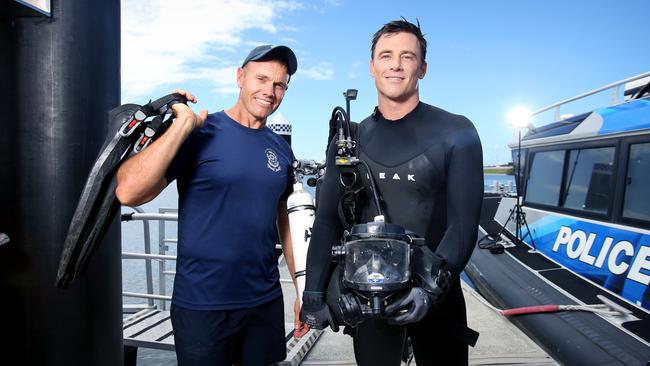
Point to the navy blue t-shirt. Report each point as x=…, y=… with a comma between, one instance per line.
x=230, y=180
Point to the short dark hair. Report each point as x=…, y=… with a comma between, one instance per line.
x=398, y=26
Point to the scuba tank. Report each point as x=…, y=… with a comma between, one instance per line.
x=300, y=205
x=302, y=211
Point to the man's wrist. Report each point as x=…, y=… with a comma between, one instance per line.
x=188, y=122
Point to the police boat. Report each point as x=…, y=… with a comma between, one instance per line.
x=568, y=257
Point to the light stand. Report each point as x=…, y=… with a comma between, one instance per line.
x=517, y=212
x=520, y=119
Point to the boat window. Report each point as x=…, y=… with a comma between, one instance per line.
x=589, y=180
x=636, y=204
x=545, y=177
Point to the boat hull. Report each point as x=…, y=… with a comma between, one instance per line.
x=518, y=278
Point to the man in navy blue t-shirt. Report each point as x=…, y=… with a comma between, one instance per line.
x=233, y=175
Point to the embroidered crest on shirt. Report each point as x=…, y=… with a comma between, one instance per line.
x=272, y=160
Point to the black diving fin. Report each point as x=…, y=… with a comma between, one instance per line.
x=97, y=204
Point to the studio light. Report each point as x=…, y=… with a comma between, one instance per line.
x=519, y=117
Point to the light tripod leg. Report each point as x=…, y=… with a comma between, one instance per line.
x=494, y=239
x=519, y=216
x=529, y=234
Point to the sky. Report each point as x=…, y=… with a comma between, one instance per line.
x=484, y=57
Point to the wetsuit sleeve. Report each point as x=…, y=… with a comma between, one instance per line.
x=464, y=165
x=327, y=227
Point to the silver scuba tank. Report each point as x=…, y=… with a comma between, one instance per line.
x=301, y=210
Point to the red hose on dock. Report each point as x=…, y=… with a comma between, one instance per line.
x=531, y=310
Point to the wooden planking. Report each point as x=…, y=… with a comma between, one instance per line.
x=158, y=333
x=151, y=320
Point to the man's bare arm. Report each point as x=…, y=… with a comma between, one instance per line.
x=142, y=177
x=285, y=239
x=300, y=328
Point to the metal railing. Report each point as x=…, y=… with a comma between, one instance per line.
x=163, y=216
x=614, y=99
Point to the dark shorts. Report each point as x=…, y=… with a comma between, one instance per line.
x=253, y=336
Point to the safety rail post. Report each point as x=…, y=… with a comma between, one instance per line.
x=162, y=245
x=616, y=95
x=162, y=250
x=147, y=250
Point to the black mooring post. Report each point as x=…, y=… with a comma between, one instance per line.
x=59, y=76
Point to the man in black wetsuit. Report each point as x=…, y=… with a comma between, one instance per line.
x=428, y=168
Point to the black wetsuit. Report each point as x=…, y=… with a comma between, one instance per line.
x=429, y=173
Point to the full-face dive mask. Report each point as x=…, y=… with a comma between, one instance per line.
x=376, y=268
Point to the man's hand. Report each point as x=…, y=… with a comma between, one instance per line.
x=440, y=287
x=185, y=115
x=417, y=304
x=315, y=311
x=299, y=328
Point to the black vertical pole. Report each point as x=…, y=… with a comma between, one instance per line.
x=58, y=78
x=347, y=106
x=518, y=216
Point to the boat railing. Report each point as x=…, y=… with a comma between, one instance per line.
x=614, y=99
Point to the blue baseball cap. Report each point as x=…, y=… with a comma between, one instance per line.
x=271, y=52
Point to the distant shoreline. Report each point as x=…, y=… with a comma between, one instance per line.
x=497, y=170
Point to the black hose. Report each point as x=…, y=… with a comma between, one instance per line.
x=373, y=187
x=343, y=121
x=341, y=117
